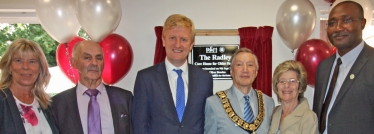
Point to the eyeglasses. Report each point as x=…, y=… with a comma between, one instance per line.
x=344, y=22
x=290, y=81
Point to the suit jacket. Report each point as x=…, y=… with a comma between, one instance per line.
x=302, y=120
x=353, y=109
x=10, y=119
x=153, y=106
x=217, y=121
x=67, y=116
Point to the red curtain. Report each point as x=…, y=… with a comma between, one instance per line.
x=248, y=37
x=160, y=53
x=259, y=41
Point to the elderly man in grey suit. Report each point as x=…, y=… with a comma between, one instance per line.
x=169, y=98
x=343, y=98
x=92, y=107
x=239, y=109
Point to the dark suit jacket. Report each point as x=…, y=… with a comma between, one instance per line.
x=153, y=106
x=67, y=116
x=10, y=119
x=353, y=109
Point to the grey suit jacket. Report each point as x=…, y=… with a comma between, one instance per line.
x=153, y=106
x=353, y=109
x=301, y=121
x=67, y=116
x=10, y=119
x=217, y=121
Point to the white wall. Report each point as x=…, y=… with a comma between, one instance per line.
x=140, y=17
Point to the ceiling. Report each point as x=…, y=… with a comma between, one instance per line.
x=24, y=10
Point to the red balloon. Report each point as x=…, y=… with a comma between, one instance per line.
x=63, y=55
x=333, y=49
x=118, y=58
x=310, y=54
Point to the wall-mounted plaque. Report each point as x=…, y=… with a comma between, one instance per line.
x=214, y=58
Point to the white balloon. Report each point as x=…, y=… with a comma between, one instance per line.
x=368, y=14
x=295, y=22
x=99, y=18
x=58, y=18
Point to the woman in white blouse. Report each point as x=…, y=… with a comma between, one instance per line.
x=24, y=105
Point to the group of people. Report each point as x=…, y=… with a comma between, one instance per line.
x=174, y=97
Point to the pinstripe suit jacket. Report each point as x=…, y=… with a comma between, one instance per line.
x=353, y=109
x=67, y=116
x=153, y=108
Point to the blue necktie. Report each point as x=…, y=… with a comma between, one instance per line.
x=248, y=113
x=180, y=105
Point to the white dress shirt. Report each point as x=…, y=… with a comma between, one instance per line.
x=173, y=76
x=105, y=111
x=347, y=62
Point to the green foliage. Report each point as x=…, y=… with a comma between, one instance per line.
x=34, y=32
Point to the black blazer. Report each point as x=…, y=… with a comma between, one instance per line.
x=353, y=109
x=67, y=116
x=10, y=119
x=154, y=110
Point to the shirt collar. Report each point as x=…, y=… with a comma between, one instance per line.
x=352, y=55
x=170, y=67
x=81, y=88
x=239, y=93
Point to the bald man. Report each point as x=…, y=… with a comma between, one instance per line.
x=92, y=107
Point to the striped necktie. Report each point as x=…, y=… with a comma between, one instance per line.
x=248, y=113
x=326, y=104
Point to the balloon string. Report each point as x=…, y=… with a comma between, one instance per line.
x=293, y=54
x=70, y=70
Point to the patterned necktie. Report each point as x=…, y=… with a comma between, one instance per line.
x=180, y=104
x=248, y=113
x=93, y=120
x=329, y=96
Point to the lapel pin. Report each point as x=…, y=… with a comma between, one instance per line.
x=352, y=76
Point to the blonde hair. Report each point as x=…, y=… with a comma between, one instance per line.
x=26, y=47
x=290, y=65
x=179, y=20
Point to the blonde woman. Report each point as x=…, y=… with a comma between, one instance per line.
x=24, y=105
x=293, y=116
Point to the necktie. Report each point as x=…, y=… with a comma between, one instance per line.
x=329, y=96
x=180, y=104
x=93, y=122
x=248, y=113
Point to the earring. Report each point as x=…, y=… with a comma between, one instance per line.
x=10, y=73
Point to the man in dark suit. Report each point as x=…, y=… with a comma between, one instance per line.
x=169, y=98
x=73, y=107
x=345, y=104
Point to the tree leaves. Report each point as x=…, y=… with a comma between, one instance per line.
x=34, y=32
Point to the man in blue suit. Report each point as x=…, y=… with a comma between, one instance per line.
x=169, y=97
